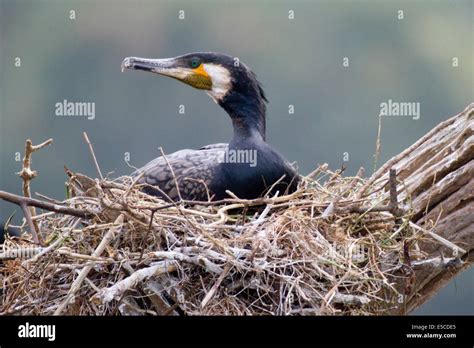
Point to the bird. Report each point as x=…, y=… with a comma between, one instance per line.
x=247, y=166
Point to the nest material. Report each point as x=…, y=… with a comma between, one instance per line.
x=319, y=251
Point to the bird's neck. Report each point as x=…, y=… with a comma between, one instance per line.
x=248, y=118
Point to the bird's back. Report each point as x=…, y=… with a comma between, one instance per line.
x=190, y=172
x=207, y=173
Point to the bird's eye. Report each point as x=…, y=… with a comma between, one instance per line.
x=195, y=63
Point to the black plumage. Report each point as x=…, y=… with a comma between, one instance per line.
x=247, y=166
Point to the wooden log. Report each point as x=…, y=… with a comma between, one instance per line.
x=436, y=181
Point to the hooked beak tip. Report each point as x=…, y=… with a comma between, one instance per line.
x=127, y=63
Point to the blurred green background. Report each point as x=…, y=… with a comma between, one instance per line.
x=299, y=61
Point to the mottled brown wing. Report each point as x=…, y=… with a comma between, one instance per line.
x=193, y=170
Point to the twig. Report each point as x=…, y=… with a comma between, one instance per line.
x=144, y=237
x=27, y=211
x=377, y=144
x=172, y=172
x=66, y=252
x=270, y=189
x=440, y=239
x=214, y=288
x=135, y=180
x=247, y=202
x=197, y=260
x=332, y=206
x=53, y=246
x=114, y=292
x=27, y=174
x=395, y=210
x=93, y=155
x=25, y=201
x=350, y=300
x=439, y=262
x=336, y=174
x=319, y=169
x=109, y=236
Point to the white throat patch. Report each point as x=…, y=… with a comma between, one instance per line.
x=221, y=81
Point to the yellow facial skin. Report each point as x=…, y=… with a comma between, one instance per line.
x=201, y=71
x=199, y=78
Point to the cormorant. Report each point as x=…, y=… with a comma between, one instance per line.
x=247, y=166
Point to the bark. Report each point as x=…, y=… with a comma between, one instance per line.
x=436, y=181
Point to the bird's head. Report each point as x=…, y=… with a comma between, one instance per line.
x=225, y=78
x=217, y=74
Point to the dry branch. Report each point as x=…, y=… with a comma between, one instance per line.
x=32, y=202
x=27, y=174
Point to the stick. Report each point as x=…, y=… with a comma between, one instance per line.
x=27, y=174
x=350, y=300
x=28, y=212
x=114, y=292
x=214, y=288
x=395, y=210
x=377, y=144
x=25, y=201
x=93, y=155
x=439, y=262
x=247, y=202
x=53, y=246
x=109, y=236
x=440, y=239
x=197, y=260
x=172, y=173
x=321, y=168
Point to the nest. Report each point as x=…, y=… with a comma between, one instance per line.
x=325, y=249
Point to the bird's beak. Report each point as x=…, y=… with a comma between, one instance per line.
x=171, y=67
x=166, y=66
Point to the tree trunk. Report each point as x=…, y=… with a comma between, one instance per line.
x=436, y=176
